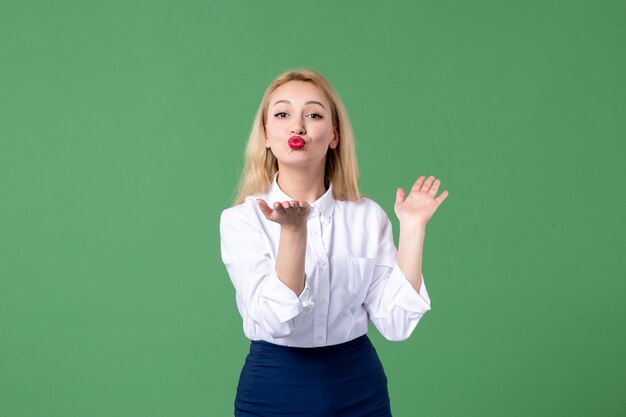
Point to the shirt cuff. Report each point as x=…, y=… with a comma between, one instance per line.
x=400, y=293
x=283, y=301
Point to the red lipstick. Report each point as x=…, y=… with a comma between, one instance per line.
x=296, y=142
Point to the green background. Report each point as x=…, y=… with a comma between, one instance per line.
x=122, y=128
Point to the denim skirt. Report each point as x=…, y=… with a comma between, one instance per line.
x=344, y=380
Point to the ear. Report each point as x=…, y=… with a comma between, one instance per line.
x=333, y=143
x=267, y=141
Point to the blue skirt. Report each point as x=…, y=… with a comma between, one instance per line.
x=344, y=380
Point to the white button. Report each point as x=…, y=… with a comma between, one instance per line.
x=322, y=301
x=316, y=233
x=322, y=262
x=320, y=338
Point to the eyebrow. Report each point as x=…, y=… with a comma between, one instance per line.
x=308, y=102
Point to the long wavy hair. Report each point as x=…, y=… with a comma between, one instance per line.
x=260, y=164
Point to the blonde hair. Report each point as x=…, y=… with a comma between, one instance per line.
x=260, y=165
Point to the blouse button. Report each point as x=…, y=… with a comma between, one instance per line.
x=323, y=263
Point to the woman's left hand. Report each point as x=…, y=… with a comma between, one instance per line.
x=419, y=206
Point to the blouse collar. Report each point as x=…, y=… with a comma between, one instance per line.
x=326, y=203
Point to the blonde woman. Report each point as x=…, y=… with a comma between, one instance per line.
x=313, y=262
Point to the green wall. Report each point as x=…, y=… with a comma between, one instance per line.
x=122, y=127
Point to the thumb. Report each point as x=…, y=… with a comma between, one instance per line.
x=265, y=209
x=400, y=194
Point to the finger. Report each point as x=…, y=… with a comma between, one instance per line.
x=400, y=195
x=265, y=209
x=305, y=207
x=295, y=206
x=428, y=183
x=279, y=207
x=442, y=197
x=418, y=184
x=433, y=190
x=291, y=206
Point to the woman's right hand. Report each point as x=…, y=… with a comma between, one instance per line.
x=288, y=213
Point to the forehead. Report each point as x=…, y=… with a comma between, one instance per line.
x=298, y=92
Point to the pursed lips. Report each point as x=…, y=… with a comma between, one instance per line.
x=296, y=142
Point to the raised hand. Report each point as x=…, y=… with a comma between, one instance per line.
x=419, y=206
x=288, y=213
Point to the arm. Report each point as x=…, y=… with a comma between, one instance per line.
x=414, y=212
x=292, y=216
x=410, y=248
x=393, y=304
x=263, y=299
x=397, y=298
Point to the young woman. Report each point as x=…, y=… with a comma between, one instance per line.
x=313, y=262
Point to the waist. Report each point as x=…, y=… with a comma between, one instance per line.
x=354, y=345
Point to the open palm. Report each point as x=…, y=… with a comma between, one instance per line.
x=421, y=203
x=286, y=213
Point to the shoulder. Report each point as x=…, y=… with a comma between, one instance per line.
x=365, y=207
x=364, y=204
x=247, y=212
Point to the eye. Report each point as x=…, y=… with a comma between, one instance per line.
x=315, y=116
x=280, y=115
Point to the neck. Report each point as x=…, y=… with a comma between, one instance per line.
x=302, y=185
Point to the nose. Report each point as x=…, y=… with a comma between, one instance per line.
x=298, y=127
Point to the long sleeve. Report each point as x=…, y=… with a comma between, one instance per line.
x=392, y=303
x=261, y=295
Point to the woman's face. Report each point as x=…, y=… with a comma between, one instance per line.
x=300, y=109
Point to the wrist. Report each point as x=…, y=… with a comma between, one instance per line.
x=293, y=228
x=412, y=227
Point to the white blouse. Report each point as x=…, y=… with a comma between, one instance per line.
x=351, y=274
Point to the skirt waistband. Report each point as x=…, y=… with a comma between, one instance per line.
x=346, y=347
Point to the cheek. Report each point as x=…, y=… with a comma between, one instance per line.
x=328, y=133
x=270, y=140
x=272, y=130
